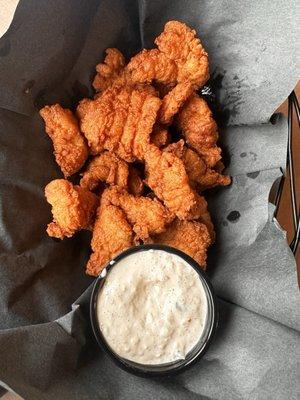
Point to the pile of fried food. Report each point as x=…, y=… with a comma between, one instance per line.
x=138, y=184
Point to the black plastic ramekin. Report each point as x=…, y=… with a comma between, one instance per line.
x=177, y=366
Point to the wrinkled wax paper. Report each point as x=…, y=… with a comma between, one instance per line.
x=48, y=55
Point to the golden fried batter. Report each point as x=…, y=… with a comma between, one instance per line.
x=108, y=71
x=191, y=237
x=123, y=219
x=106, y=167
x=198, y=209
x=199, y=212
x=113, y=73
x=70, y=148
x=200, y=130
x=205, y=219
x=180, y=58
x=167, y=177
x=141, y=139
x=199, y=173
x=180, y=44
x=201, y=176
x=152, y=65
x=173, y=101
x=73, y=208
x=102, y=120
x=111, y=235
x=147, y=216
x=119, y=120
x=109, y=168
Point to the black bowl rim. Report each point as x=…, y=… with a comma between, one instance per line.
x=135, y=369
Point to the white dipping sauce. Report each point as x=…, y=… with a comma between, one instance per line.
x=152, y=307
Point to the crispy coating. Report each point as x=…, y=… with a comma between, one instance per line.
x=123, y=219
x=152, y=65
x=113, y=73
x=198, y=209
x=124, y=80
x=119, y=120
x=141, y=140
x=109, y=168
x=193, y=167
x=191, y=237
x=199, y=212
x=199, y=173
x=70, y=148
x=160, y=136
x=201, y=176
x=205, y=219
x=106, y=167
x=167, y=177
x=111, y=235
x=200, y=130
x=173, y=101
x=180, y=58
x=103, y=120
x=73, y=208
x=147, y=216
x=180, y=44
x=111, y=69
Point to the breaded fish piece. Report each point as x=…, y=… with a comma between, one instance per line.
x=199, y=212
x=152, y=65
x=146, y=216
x=110, y=169
x=200, y=130
x=113, y=73
x=205, y=219
x=180, y=58
x=111, y=69
x=173, y=101
x=70, y=148
x=102, y=120
x=119, y=120
x=201, y=176
x=191, y=237
x=122, y=220
x=199, y=173
x=111, y=235
x=106, y=167
x=73, y=208
x=167, y=177
x=180, y=44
